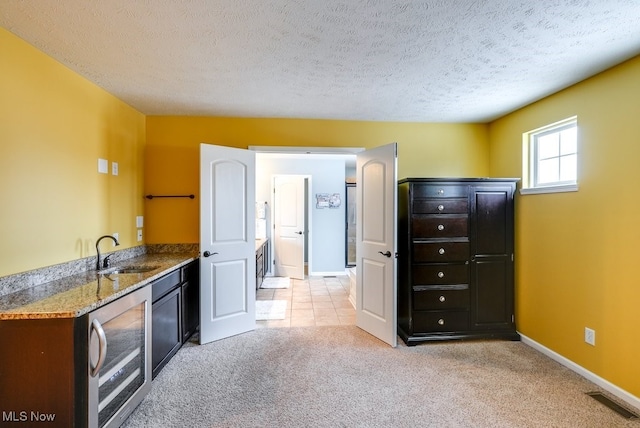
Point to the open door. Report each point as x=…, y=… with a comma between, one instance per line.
x=376, y=191
x=289, y=225
x=227, y=242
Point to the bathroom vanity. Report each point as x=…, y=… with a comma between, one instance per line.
x=262, y=260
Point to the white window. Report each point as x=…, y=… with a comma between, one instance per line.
x=551, y=158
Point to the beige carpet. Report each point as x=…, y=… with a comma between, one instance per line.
x=343, y=377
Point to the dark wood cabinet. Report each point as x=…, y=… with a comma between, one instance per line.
x=455, y=259
x=43, y=369
x=262, y=260
x=190, y=299
x=85, y=371
x=166, y=320
x=175, y=313
x=166, y=330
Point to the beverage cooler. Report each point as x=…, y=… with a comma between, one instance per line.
x=119, y=363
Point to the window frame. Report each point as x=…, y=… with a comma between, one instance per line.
x=530, y=162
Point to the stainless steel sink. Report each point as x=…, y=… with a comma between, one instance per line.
x=127, y=269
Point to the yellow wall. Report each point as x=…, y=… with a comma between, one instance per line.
x=577, y=253
x=54, y=125
x=172, y=153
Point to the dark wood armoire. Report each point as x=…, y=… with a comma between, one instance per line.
x=455, y=259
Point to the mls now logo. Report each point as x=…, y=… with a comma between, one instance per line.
x=24, y=416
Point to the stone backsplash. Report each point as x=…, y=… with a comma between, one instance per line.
x=20, y=281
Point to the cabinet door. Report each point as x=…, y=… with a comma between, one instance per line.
x=190, y=301
x=190, y=312
x=37, y=371
x=493, y=294
x=491, y=247
x=492, y=221
x=166, y=329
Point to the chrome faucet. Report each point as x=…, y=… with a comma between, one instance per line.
x=106, y=259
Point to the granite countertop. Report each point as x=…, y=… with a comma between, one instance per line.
x=79, y=294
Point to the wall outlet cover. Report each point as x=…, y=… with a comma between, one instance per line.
x=590, y=336
x=114, y=168
x=139, y=221
x=139, y=235
x=103, y=166
x=117, y=236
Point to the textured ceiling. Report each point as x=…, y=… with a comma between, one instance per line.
x=384, y=60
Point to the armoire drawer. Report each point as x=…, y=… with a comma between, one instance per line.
x=440, y=274
x=440, y=191
x=431, y=226
x=434, y=252
x=426, y=300
x=440, y=321
x=440, y=206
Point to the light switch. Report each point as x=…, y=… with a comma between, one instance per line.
x=114, y=168
x=139, y=221
x=103, y=166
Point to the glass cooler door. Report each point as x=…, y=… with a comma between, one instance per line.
x=119, y=356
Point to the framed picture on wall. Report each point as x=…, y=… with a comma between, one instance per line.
x=322, y=200
x=334, y=200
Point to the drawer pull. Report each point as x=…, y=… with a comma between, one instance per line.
x=441, y=227
x=440, y=207
x=441, y=251
x=440, y=191
x=441, y=321
x=442, y=299
x=440, y=274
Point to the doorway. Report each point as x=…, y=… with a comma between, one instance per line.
x=290, y=225
x=327, y=171
x=228, y=178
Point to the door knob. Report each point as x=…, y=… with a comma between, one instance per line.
x=299, y=232
x=207, y=254
x=386, y=254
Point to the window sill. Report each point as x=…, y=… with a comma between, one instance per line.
x=549, y=189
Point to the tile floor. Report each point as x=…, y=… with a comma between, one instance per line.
x=314, y=301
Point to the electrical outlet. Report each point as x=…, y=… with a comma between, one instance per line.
x=590, y=336
x=117, y=236
x=139, y=235
x=114, y=168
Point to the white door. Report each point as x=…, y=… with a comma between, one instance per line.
x=289, y=225
x=376, y=199
x=227, y=242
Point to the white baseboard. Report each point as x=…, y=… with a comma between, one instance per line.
x=602, y=383
x=337, y=273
